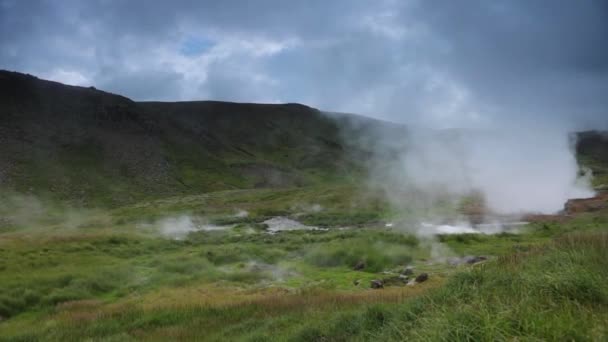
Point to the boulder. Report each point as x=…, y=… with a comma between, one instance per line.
x=477, y=259
x=377, y=284
x=422, y=277
x=409, y=270
x=360, y=265
x=470, y=259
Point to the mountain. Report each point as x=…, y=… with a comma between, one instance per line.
x=93, y=147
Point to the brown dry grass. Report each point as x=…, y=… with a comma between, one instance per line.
x=267, y=301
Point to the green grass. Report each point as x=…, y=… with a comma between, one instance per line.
x=111, y=275
x=555, y=291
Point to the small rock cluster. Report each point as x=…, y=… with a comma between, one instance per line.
x=406, y=277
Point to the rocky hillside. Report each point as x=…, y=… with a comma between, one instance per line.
x=92, y=147
x=592, y=151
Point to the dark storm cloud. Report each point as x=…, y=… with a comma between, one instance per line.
x=440, y=63
x=537, y=56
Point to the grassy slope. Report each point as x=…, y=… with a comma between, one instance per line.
x=98, y=149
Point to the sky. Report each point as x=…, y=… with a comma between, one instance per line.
x=442, y=64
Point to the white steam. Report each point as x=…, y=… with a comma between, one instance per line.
x=514, y=171
x=463, y=227
x=241, y=213
x=179, y=227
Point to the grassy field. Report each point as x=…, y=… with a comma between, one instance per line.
x=68, y=274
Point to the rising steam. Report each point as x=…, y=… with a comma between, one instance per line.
x=428, y=175
x=515, y=172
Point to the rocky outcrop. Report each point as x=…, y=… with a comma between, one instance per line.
x=422, y=277
x=583, y=205
x=409, y=270
x=377, y=284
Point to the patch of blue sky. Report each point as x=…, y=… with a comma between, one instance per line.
x=195, y=46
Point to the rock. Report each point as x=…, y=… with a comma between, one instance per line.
x=480, y=259
x=422, y=277
x=469, y=259
x=584, y=205
x=377, y=284
x=356, y=282
x=409, y=270
x=404, y=277
x=359, y=266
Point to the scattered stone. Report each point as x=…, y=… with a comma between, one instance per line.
x=422, y=277
x=359, y=266
x=377, y=284
x=404, y=277
x=409, y=270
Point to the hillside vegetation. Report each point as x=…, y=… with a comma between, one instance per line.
x=95, y=148
x=592, y=152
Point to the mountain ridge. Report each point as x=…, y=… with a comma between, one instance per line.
x=94, y=147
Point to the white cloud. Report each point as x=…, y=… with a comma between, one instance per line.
x=71, y=77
